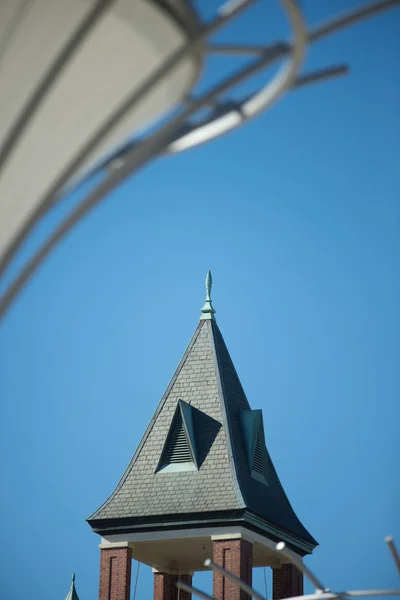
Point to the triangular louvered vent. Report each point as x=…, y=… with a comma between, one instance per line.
x=253, y=437
x=179, y=452
x=258, y=461
x=178, y=448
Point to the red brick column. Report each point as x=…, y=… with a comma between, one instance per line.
x=165, y=586
x=235, y=556
x=115, y=573
x=286, y=582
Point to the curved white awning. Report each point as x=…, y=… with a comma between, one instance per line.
x=129, y=41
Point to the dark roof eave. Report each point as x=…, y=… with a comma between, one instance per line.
x=241, y=517
x=163, y=522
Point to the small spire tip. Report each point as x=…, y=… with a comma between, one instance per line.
x=208, y=311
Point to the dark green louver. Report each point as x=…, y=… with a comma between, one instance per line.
x=180, y=444
x=253, y=435
x=178, y=449
x=258, y=461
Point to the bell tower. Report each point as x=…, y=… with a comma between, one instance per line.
x=201, y=484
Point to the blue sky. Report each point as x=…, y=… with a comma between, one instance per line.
x=297, y=216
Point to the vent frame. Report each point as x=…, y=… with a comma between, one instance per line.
x=179, y=451
x=257, y=454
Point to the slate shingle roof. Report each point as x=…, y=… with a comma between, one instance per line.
x=207, y=380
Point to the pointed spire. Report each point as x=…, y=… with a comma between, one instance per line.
x=72, y=595
x=227, y=440
x=208, y=310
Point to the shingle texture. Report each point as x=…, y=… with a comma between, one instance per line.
x=144, y=492
x=206, y=379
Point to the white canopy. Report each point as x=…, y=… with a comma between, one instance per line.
x=128, y=42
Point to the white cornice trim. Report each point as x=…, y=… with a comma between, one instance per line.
x=172, y=571
x=106, y=544
x=232, y=536
x=224, y=533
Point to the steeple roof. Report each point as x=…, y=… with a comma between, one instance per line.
x=72, y=595
x=227, y=474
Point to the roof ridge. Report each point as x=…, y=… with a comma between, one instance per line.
x=226, y=424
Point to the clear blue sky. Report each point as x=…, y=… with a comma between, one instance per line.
x=297, y=216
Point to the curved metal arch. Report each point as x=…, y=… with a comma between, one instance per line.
x=155, y=145
x=65, y=180
x=178, y=134
x=261, y=100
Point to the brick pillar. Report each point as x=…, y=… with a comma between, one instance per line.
x=115, y=573
x=165, y=586
x=287, y=581
x=235, y=556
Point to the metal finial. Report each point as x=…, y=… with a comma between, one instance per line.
x=73, y=577
x=208, y=310
x=208, y=286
